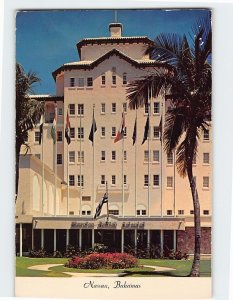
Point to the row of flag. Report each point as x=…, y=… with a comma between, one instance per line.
x=119, y=136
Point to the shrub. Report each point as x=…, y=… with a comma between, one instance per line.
x=41, y=253
x=103, y=261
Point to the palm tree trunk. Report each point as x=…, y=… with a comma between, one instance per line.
x=195, y=271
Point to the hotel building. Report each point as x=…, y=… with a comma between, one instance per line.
x=61, y=185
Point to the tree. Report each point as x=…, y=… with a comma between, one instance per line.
x=185, y=79
x=28, y=112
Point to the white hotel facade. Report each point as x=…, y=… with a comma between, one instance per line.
x=149, y=203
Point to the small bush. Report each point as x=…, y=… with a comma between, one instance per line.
x=103, y=261
x=41, y=253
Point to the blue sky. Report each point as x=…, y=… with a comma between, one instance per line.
x=47, y=39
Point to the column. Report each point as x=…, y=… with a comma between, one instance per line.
x=67, y=238
x=148, y=241
x=161, y=242
x=122, y=240
x=80, y=239
x=42, y=239
x=32, y=238
x=174, y=240
x=20, y=239
x=55, y=240
x=135, y=241
x=92, y=238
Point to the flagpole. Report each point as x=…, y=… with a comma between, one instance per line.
x=55, y=162
x=135, y=169
x=149, y=103
x=43, y=168
x=122, y=161
x=80, y=165
x=174, y=191
x=93, y=158
x=161, y=164
x=107, y=201
x=68, y=183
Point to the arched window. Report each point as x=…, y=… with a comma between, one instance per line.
x=114, y=210
x=124, y=78
x=141, y=210
x=86, y=210
x=113, y=75
x=51, y=200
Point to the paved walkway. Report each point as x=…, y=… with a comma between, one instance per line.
x=47, y=267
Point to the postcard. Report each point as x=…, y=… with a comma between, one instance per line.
x=113, y=153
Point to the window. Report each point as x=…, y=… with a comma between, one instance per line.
x=86, y=212
x=51, y=117
x=113, y=131
x=114, y=79
x=125, y=132
x=103, y=132
x=72, y=82
x=103, y=108
x=170, y=158
x=124, y=78
x=169, y=181
x=102, y=181
x=86, y=198
x=156, y=108
x=146, y=156
x=156, y=132
x=141, y=212
x=80, y=133
x=206, y=182
x=72, y=109
x=103, y=156
x=169, y=212
x=37, y=136
x=80, y=180
x=81, y=82
x=156, y=156
x=113, y=107
x=206, y=212
x=71, y=156
x=80, y=109
x=156, y=180
x=71, y=180
x=60, y=111
x=59, y=159
x=72, y=132
x=113, y=155
x=37, y=155
x=180, y=212
x=146, y=108
x=206, y=135
x=125, y=179
x=113, y=179
x=59, y=136
x=125, y=155
x=89, y=81
x=146, y=180
x=125, y=107
x=206, y=158
x=114, y=212
x=80, y=156
x=191, y=212
x=103, y=79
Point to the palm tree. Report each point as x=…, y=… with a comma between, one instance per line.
x=186, y=82
x=28, y=112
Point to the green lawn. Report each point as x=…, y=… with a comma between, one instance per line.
x=182, y=268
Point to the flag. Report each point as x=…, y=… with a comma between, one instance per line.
x=53, y=130
x=93, y=129
x=146, y=131
x=120, y=133
x=41, y=124
x=99, y=207
x=67, y=130
x=134, y=137
x=161, y=128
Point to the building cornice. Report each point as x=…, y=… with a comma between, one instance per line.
x=47, y=97
x=116, y=40
x=93, y=64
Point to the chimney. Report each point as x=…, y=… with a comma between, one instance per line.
x=115, y=29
